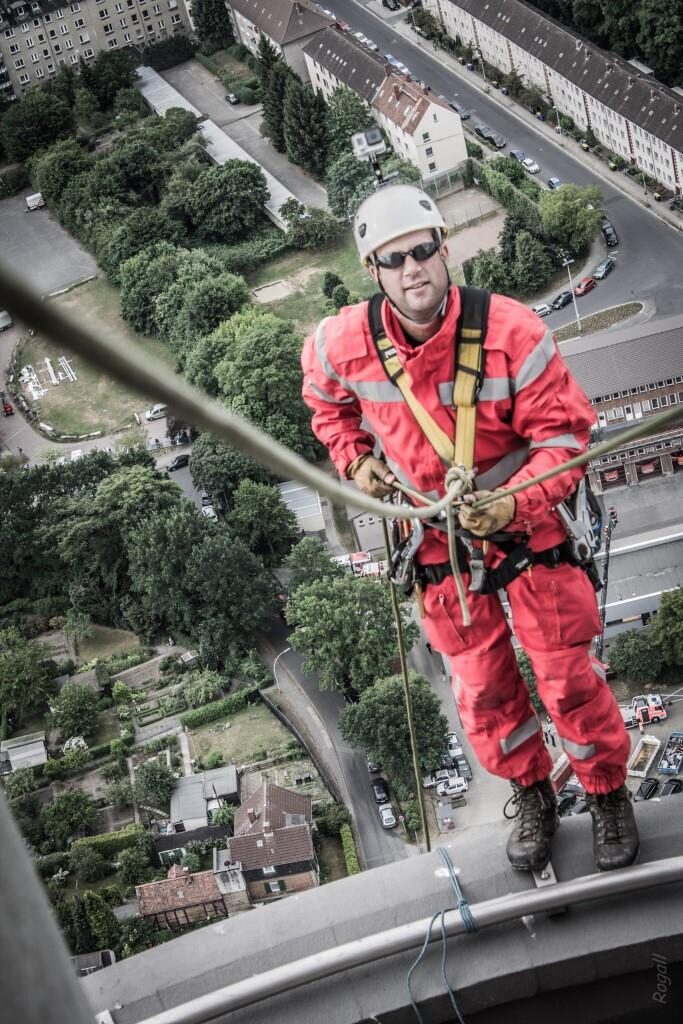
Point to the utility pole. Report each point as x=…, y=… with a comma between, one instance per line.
x=567, y=263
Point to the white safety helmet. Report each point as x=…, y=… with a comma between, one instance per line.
x=391, y=212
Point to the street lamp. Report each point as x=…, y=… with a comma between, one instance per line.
x=567, y=263
x=483, y=66
x=275, y=663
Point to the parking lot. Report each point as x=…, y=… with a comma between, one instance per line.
x=38, y=248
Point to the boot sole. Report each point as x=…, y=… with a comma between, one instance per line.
x=620, y=867
x=536, y=867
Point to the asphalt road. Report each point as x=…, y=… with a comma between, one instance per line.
x=649, y=253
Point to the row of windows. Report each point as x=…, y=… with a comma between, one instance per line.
x=640, y=390
x=636, y=410
x=75, y=8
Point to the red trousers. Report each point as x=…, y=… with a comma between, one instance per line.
x=555, y=618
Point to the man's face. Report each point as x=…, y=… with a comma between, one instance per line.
x=417, y=288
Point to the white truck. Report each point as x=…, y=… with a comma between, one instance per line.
x=643, y=756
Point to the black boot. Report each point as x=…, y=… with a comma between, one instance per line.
x=615, y=834
x=528, y=847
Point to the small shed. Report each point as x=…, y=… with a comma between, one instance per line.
x=23, y=752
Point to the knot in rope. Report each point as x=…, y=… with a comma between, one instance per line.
x=458, y=481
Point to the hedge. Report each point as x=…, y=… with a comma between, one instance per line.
x=349, y=847
x=260, y=248
x=13, y=180
x=168, y=52
x=111, y=843
x=217, y=709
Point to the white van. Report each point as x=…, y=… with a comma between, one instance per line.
x=157, y=412
x=35, y=201
x=452, y=787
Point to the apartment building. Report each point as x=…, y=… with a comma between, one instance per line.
x=420, y=127
x=287, y=24
x=38, y=38
x=628, y=110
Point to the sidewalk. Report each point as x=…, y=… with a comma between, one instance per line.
x=631, y=187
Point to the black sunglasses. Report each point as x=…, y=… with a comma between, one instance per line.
x=394, y=260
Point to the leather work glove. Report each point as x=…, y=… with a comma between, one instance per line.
x=491, y=519
x=372, y=475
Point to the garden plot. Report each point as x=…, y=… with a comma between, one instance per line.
x=247, y=736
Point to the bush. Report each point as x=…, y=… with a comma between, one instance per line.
x=330, y=282
x=209, y=64
x=111, y=843
x=53, y=769
x=474, y=149
x=168, y=52
x=340, y=296
x=411, y=812
x=247, y=95
x=331, y=819
x=349, y=848
x=260, y=248
x=218, y=709
x=51, y=863
x=214, y=760
x=13, y=180
x=88, y=864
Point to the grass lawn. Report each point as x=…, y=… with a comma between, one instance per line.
x=105, y=641
x=331, y=858
x=235, y=69
x=108, y=727
x=239, y=737
x=304, y=270
x=93, y=402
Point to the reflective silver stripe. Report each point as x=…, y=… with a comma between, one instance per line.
x=503, y=470
x=405, y=479
x=520, y=735
x=375, y=390
x=559, y=441
x=535, y=363
x=326, y=396
x=581, y=751
x=321, y=352
x=494, y=389
x=599, y=670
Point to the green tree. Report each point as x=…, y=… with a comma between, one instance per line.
x=75, y=759
x=379, y=722
x=192, y=862
x=71, y=814
x=568, y=217
x=102, y=920
x=261, y=380
x=121, y=693
x=120, y=793
x=20, y=783
x=512, y=169
x=309, y=562
x=226, y=202
x=34, y=122
x=135, y=935
x=135, y=230
x=52, y=169
x=75, y=712
x=212, y=24
x=635, y=655
x=508, y=237
x=346, y=114
x=92, y=199
x=205, y=306
x=87, y=864
x=305, y=126
x=143, y=278
x=667, y=627
x=309, y=227
x=214, y=760
x=220, y=468
x=345, y=629
x=533, y=266
x=83, y=939
x=24, y=683
x=140, y=165
x=345, y=176
x=87, y=110
x=111, y=71
x=202, y=687
x=77, y=627
x=253, y=672
x=210, y=350
x=266, y=57
x=661, y=37
x=490, y=272
x=260, y=518
x=224, y=815
x=132, y=867
x=330, y=282
x=154, y=784
x=273, y=98
x=129, y=105
x=65, y=83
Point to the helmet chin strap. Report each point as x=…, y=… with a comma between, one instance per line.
x=423, y=318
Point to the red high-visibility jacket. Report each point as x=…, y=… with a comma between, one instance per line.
x=531, y=414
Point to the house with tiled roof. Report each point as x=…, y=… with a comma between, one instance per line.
x=627, y=109
x=272, y=843
x=185, y=897
x=420, y=127
x=288, y=25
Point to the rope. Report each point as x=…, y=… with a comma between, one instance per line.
x=470, y=924
x=130, y=366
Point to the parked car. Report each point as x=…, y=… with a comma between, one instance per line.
x=205, y=498
x=487, y=133
x=555, y=183
x=561, y=300
x=565, y=801
x=446, y=761
x=209, y=512
x=452, y=787
x=157, y=412
x=6, y=320
x=380, y=790
x=611, y=476
x=463, y=114
x=542, y=309
x=433, y=779
x=231, y=98
x=387, y=816
x=604, y=268
x=373, y=766
x=580, y=807
x=178, y=461
x=646, y=468
x=585, y=285
x=530, y=165
x=452, y=742
x=609, y=234
x=647, y=789
x=670, y=787
x=518, y=155
x=462, y=766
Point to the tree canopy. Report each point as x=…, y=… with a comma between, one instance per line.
x=572, y=214
x=24, y=683
x=260, y=518
x=34, y=122
x=346, y=114
x=667, y=627
x=212, y=23
x=220, y=468
x=227, y=202
x=379, y=724
x=154, y=784
x=71, y=814
x=75, y=712
x=635, y=655
x=308, y=562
